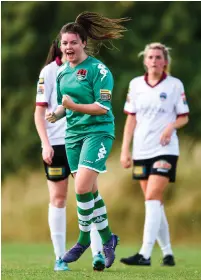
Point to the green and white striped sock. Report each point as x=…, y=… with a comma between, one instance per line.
x=100, y=218
x=85, y=207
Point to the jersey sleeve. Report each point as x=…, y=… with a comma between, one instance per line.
x=103, y=85
x=181, y=105
x=44, y=88
x=129, y=106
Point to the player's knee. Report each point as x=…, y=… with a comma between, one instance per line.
x=58, y=201
x=153, y=196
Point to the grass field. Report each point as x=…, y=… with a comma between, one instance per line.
x=35, y=262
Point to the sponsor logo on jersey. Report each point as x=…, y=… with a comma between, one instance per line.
x=81, y=74
x=105, y=94
x=162, y=166
x=184, y=98
x=163, y=96
x=54, y=171
x=41, y=81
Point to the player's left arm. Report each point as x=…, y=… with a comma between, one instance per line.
x=182, y=111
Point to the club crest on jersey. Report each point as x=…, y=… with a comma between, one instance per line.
x=163, y=96
x=184, y=98
x=81, y=74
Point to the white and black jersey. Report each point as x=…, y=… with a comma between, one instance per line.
x=155, y=107
x=47, y=96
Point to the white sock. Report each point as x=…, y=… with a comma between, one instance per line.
x=57, y=224
x=96, y=241
x=151, y=226
x=164, y=235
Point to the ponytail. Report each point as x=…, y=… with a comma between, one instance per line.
x=54, y=52
x=96, y=29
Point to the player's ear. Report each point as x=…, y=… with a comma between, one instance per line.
x=84, y=44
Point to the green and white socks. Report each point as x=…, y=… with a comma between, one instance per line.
x=100, y=218
x=85, y=207
x=91, y=208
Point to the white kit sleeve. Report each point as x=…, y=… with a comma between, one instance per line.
x=130, y=107
x=44, y=87
x=181, y=105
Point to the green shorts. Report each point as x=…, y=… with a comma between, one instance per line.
x=91, y=152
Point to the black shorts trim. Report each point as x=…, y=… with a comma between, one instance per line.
x=164, y=165
x=59, y=169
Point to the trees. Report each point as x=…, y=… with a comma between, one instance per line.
x=28, y=29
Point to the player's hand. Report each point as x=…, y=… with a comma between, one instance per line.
x=166, y=135
x=67, y=102
x=51, y=117
x=126, y=159
x=48, y=154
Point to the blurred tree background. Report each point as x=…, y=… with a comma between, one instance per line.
x=28, y=28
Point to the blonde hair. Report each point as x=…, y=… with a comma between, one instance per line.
x=163, y=48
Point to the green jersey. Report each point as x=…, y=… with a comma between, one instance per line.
x=87, y=83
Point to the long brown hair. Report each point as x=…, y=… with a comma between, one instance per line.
x=54, y=52
x=95, y=29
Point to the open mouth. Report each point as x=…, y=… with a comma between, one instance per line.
x=70, y=54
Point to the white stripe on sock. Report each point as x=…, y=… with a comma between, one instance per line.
x=85, y=218
x=98, y=198
x=86, y=205
x=101, y=225
x=99, y=211
x=85, y=228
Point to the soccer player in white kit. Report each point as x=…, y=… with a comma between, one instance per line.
x=156, y=106
x=57, y=170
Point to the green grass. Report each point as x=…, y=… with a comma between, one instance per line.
x=35, y=261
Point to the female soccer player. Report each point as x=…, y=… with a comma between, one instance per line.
x=156, y=106
x=55, y=161
x=84, y=88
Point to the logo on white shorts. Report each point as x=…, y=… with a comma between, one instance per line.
x=102, y=152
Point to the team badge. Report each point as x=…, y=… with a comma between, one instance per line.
x=163, y=96
x=41, y=89
x=41, y=81
x=184, y=98
x=105, y=94
x=81, y=74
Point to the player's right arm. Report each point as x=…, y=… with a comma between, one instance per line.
x=44, y=90
x=130, y=110
x=126, y=158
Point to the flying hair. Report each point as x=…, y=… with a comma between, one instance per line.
x=158, y=46
x=96, y=30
